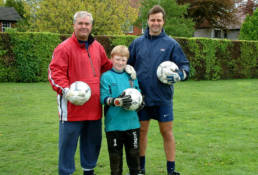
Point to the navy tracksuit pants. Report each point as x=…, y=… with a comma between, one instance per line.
x=89, y=133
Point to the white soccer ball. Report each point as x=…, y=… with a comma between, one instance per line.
x=164, y=69
x=80, y=92
x=136, y=98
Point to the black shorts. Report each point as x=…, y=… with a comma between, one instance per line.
x=117, y=139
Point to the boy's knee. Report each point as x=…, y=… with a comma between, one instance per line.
x=115, y=163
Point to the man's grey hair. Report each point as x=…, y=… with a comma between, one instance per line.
x=82, y=14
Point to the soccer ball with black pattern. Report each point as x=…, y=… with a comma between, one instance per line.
x=80, y=91
x=136, y=98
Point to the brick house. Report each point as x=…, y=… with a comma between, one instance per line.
x=133, y=30
x=232, y=31
x=8, y=18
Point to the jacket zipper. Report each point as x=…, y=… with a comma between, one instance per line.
x=91, y=63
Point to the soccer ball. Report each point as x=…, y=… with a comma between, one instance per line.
x=164, y=69
x=80, y=92
x=136, y=98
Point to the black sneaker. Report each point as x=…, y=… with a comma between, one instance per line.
x=174, y=173
x=140, y=172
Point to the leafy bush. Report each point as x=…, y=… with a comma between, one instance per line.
x=109, y=42
x=24, y=57
x=249, y=28
x=7, y=60
x=213, y=59
x=32, y=53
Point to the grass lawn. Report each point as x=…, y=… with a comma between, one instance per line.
x=216, y=130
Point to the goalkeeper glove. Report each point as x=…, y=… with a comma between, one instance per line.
x=76, y=99
x=124, y=101
x=176, y=76
x=130, y=70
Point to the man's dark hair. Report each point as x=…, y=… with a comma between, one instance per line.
x=157, y=9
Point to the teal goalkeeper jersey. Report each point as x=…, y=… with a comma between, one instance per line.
x=112, y=84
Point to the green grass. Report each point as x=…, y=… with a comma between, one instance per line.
x=216, y=126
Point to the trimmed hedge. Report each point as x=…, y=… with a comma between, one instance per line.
x=24, y=57
x=213, y=59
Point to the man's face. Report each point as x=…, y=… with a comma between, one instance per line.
x=119, y=62
x=82, y=28
x=155, y=23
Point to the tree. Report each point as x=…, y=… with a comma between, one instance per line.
x=218, y=13
x=1, y=3
x=17, y=4
x=249, y=28
x=110, y=16
x=176, y=24
x=22, y=25
x=248, y=7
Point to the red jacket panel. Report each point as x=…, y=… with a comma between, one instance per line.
x=72, y=62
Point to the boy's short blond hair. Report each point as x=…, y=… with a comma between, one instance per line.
x=120, y=50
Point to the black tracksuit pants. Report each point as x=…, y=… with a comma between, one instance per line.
x=130, y=140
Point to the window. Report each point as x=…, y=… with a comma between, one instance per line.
x=5, y=25
x=225, y=34
x=127, y=27
x=130, y=29
x=217, y=33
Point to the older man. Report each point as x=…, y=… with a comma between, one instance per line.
x=79, y=58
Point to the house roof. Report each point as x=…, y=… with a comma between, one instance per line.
x=242, y=11
x=9, y=14
x=240, y=19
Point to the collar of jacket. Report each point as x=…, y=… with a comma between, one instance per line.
x=90, y=40
x=147, y=34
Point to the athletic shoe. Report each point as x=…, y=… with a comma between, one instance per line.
x=141, y=172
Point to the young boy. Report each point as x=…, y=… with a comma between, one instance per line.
x=121, y=125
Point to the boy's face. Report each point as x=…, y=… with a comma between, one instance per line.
x=119, y=62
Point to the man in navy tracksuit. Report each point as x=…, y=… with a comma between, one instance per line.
x=146, y=53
